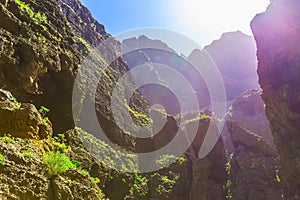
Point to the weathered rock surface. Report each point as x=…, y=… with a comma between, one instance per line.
x=234, y=56
x=208, y=174
x=277, y=35
x=249, y=110
x=22, y=119
x=253, y=172
x=23, y=175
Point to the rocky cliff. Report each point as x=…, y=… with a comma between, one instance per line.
x=43, y=45
x=277, y=36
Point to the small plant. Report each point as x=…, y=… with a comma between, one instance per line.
x=18, y=104
x=95, y=180
x=277, y=176
x=57, y=163
x=141, y=118
x=37, y=17
x=181, y=160
x=140, y=185
x=27, y=153
x=69, y=182
x=60, y=142
x=25, y=7
x=76, y=163
x=20, y=141
x=228, y=182
x=7, y=139
x=166, y=183
x=43, y=110
x=2, y=161
x=205, y=116
x=83, y=41
x=41, y=17
x=84, y=172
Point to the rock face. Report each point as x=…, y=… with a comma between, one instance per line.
x=277, y=35
x=42, y=46
x=41, y=49
x=253, y=172
x=39, y=54
x=208, y=174
x=234, y=56
x=249, y=110
x=252, y=154
x=22, y=120
x=24, y=176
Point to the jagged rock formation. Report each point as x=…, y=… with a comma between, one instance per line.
x=249, y=110
x=277, y=35
x=22, y=120
x=234, y=55
x=23, y=174
x=42, y=45
x=253, y=172
x=208, y=174
x=251, y=152
x=39, y=55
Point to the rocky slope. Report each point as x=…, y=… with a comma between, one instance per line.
x=43, y=45
x=277, y=35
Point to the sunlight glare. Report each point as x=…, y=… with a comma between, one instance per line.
x=210, y=18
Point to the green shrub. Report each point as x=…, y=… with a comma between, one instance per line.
x=25, y=7
x=2, y=161
x=76, y=163
x=57, y=163
x=277, y=176
x=43, y=110
x=166, y=183
x=27, y=153
x=181, y=160
x=95, y=180
x=7, y=139
x=37, y=17
x=84, y=172
x=18, y=104
x=140, y=185
x=60, y=142
x=69, y=182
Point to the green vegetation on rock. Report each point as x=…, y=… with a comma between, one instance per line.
x=7, y=139
x=37, y=17
x=57, y=163
x=228, y=182
x=2, y=160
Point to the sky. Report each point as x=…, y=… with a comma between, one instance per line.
x=201, y=20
